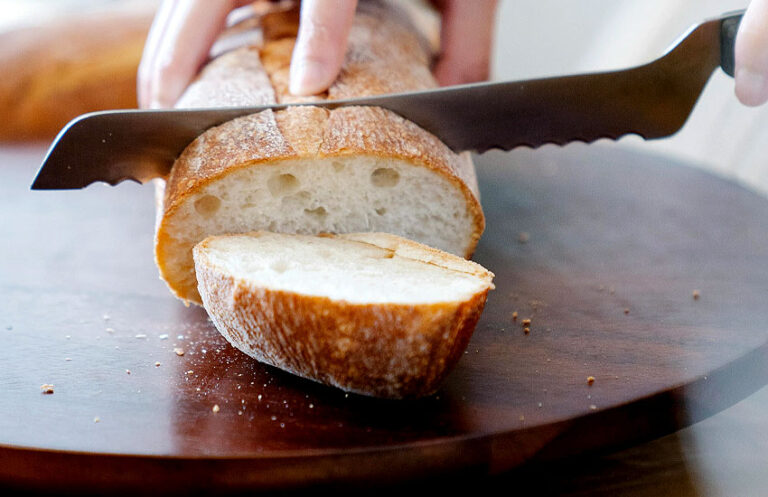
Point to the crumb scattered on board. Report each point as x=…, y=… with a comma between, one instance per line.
x=215, y=408
x=46, y=388
x=179, y=351
x=590, y=380
x=626, y=310
x=696, y=295
x=523, y=237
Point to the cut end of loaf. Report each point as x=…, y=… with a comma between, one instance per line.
x=370, y=313
x=339, y=194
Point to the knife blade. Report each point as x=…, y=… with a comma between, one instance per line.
x=652, y=100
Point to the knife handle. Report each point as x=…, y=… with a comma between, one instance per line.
x=729, y=27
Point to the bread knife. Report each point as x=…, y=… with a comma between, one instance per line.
x=652, y=100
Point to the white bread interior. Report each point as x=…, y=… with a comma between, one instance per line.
x=371, y=313
x=327, y=195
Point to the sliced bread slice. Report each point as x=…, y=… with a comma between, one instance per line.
x=370, y=313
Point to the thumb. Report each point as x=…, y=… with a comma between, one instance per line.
x=752, y=55
x=321, y=44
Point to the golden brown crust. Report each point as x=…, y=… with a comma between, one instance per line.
x=384, y=350
x=385, y=55
x=68, y=66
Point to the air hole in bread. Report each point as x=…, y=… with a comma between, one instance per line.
x=385, y=177
x=338, y=166
x=281, y=185
x=318, y=213
x=381, y=211
x=207, y=206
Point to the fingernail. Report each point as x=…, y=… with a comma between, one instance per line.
x=751, y=87
x=308, y=77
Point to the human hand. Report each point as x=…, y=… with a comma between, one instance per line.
x=184, y=31
x=465, y=39
x=752, y=55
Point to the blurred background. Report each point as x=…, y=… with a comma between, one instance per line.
x=550, y=37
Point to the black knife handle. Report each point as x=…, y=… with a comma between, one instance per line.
x=729, y=27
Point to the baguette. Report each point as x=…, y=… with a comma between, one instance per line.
x=309, y=170
x=69, y=65
x=369, y=313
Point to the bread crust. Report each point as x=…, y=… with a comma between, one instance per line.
x=383, y=349
x=385, y=55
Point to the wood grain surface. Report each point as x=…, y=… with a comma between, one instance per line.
x=617, y=242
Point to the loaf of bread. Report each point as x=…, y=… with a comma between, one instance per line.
x=308, y=170
x=369, y=313
x=64, y=66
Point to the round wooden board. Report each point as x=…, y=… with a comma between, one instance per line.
x=617, y=243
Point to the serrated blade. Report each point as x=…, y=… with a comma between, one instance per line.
x=653, y=101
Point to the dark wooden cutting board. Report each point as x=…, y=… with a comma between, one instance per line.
x=617, y=243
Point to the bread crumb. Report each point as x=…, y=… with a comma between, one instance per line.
x=526, y=322
x=109, y=330
x=592, y=407
x=46, y=388
x=523, y=237
x=696, y=295
x=141, y=335
x=526, y=330
x=96, y=419
x=590, y=380
x=522, y=418
x=514, y=316
x=157, y=364
x=626, y=310
x=179, y=351
x=215, y=408
x=127, y=371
